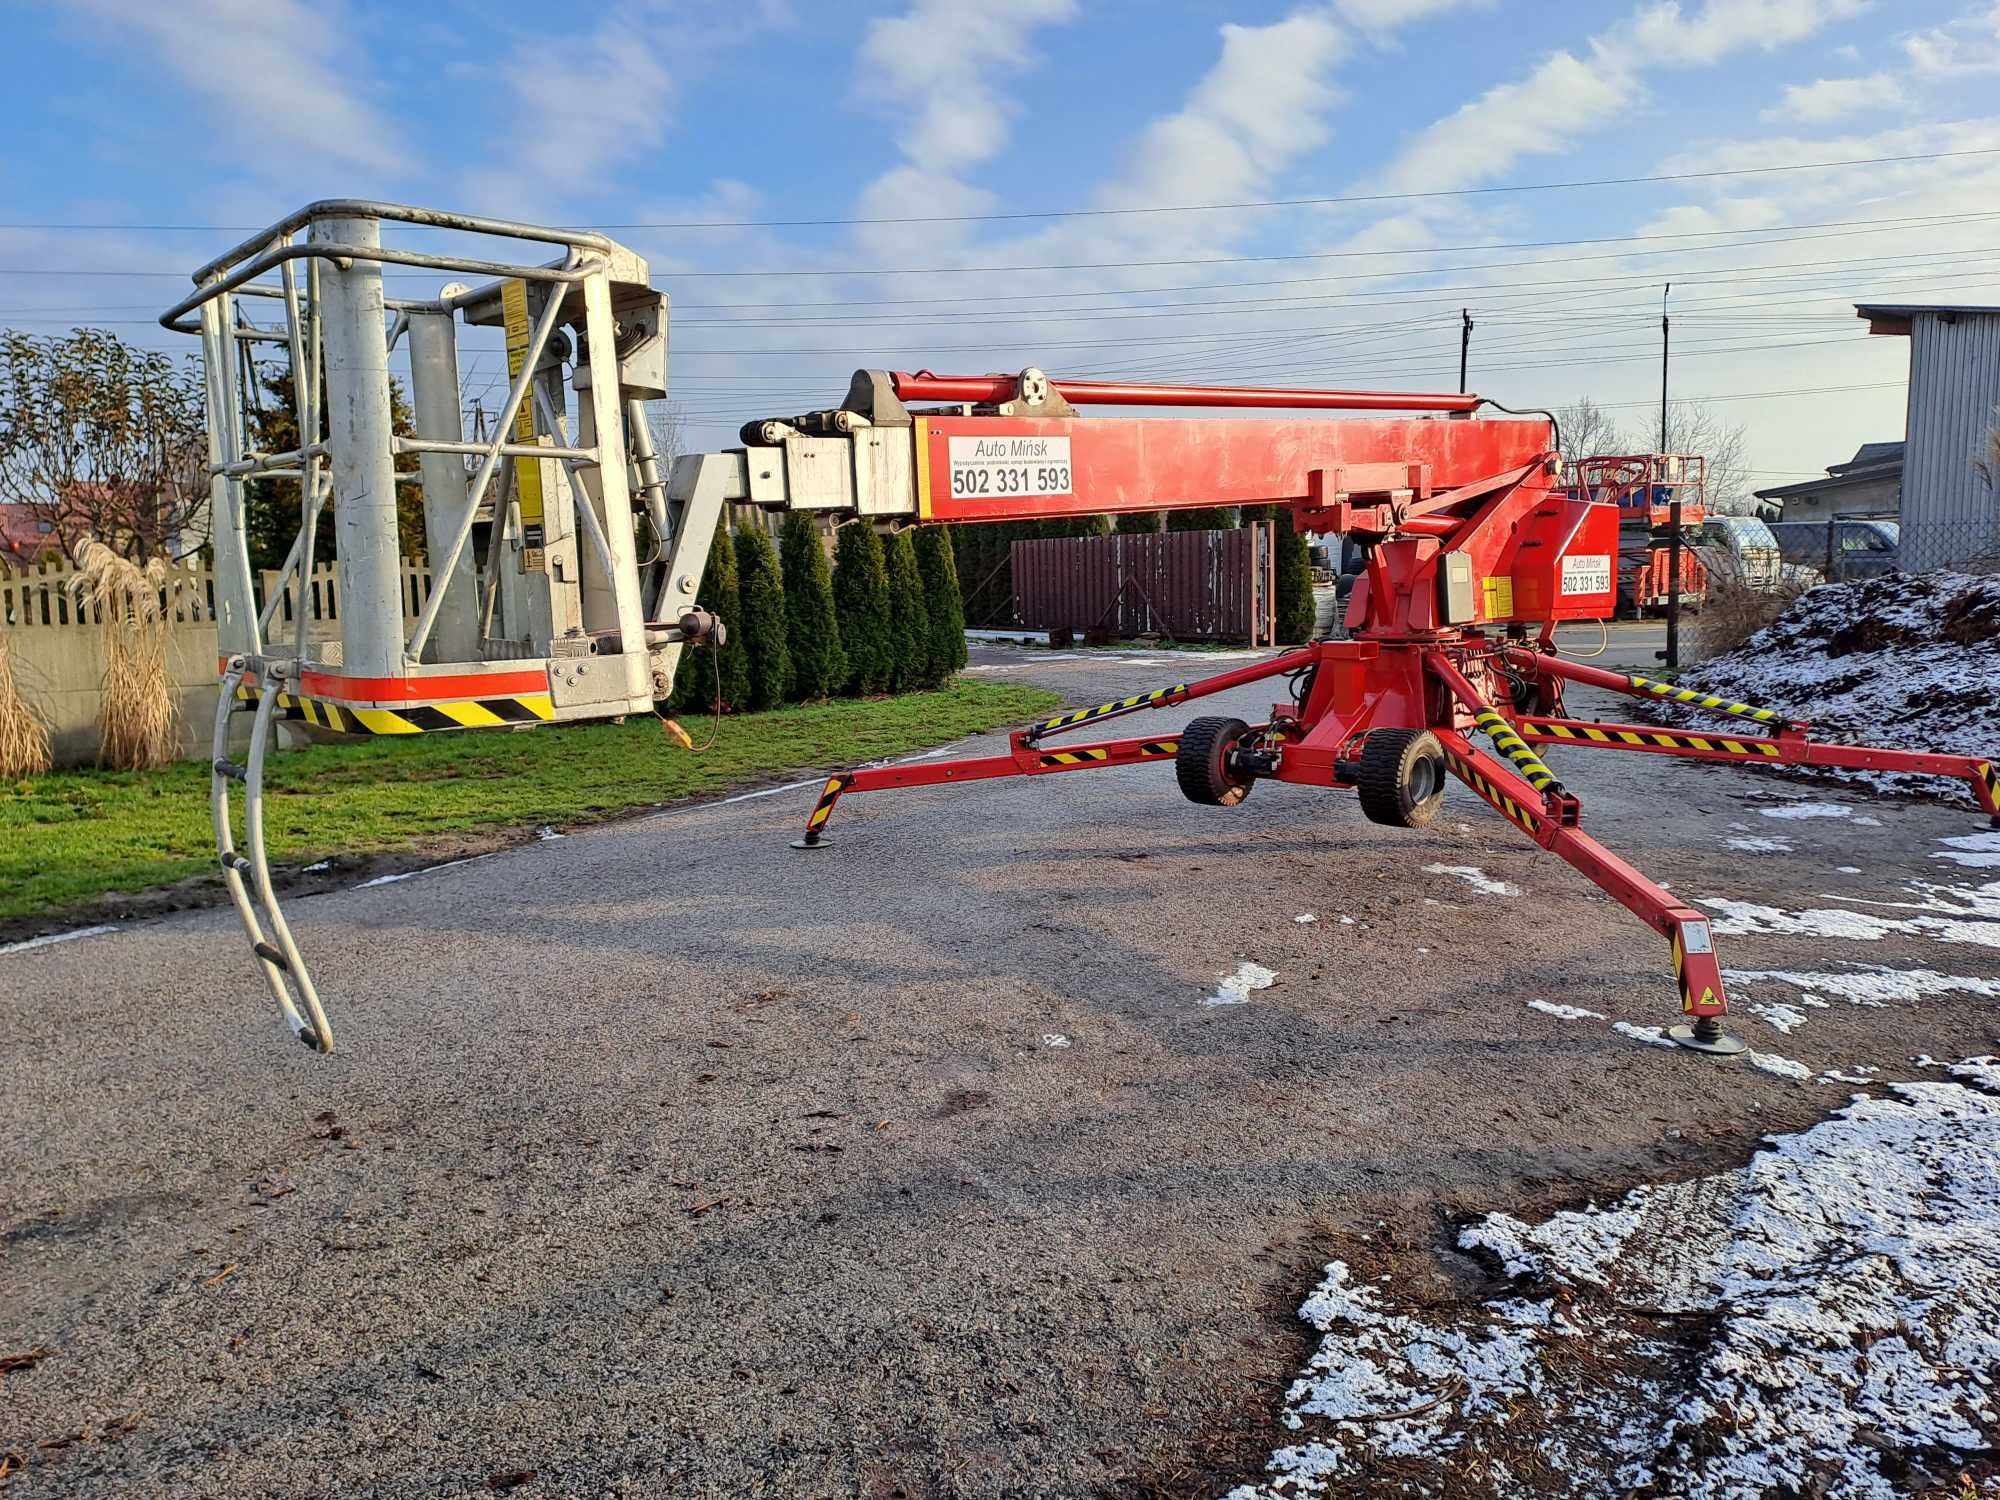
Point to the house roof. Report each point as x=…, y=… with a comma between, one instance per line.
x=1868, y=455
x=1852, y=479
x=1894, y=317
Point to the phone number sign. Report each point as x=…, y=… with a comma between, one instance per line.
x=1001, y=466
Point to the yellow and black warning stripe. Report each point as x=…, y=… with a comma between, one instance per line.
x=1666, y=739
x=1511, y=745
x=415, y=718
x=1105, y=710
x=829, y=794
x=1989, y=781
x=1705, y=700
x=1515, y=812
x=1151, y=750
x=1074, y=757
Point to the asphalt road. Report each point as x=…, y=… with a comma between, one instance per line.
x=664, y=1160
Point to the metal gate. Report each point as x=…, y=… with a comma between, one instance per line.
x=1185, y=585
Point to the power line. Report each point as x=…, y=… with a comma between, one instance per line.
x=1781, y=233
x=1328, y=201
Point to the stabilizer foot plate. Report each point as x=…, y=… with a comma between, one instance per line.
x=812, y=841
x=1706, y=1036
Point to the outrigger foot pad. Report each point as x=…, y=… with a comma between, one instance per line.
x=1707, y=1035
x=812, y=841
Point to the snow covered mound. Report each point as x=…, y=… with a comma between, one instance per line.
x=1910, y=661
x=1824, y=1321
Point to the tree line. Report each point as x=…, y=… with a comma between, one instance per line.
x=883, y=617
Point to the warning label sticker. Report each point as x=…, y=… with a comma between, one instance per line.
x=993, y=466
x=1587, y=574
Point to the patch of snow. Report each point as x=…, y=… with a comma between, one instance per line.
x=1983, y=1072
x=1235, y=988
x=1473, y=876
x=317, y=866
x=56, y=937
x=1054, y=1039
x=1784, y=1018
x=1829, y=1076
x=1823, y=1320
x=1848, y=869
x=547, y=835
x=1653, y=1036
x=1871, y=986
x=1784, y=1067
x=1979, y=851
x=1739, y=917
x=1345, y=920
x=1864, y=821
x=1754, y=845
x=1565, y=1012
x=1808, y=810
x=1305, y=919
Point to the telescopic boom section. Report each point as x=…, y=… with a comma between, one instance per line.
x=924, y=386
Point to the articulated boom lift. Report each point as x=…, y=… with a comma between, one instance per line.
x=1475, y=552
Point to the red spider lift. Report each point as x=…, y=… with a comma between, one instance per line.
x=1472, y=545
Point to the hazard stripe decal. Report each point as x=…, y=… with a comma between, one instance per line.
x=829, y=795
x=415, y=718
x=1513, y=811
x=1511, y=745
x=1074, y=757
x=1665, y=739
x=1123, y=705
x=1704, y=700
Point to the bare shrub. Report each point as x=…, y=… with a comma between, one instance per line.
x=1733, y=610
x=24, y=736
x=138, y=721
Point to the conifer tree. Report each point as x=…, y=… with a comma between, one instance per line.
x=767, y=659
x=909, y=621
x=812, y=633
x=861, y=603
x=694, y=679
x=941, y=604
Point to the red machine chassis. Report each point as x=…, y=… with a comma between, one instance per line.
x=1457, y=545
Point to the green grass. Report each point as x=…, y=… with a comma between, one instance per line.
x=72, y=835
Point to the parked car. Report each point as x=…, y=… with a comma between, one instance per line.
x=1841, y=549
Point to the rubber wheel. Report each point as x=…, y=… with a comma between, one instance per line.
x=1201, y=766
x=1402, y=777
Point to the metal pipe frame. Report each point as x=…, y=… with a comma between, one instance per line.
x=924, y=386
x=517, y=392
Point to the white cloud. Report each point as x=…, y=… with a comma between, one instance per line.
x=1262, y=104
x=1828, y=99
x=276, y=73
x=1382, y=15
x=1965, y=48
x=1563, y=98
x=1568, y=96
x=1664, y=33
x=603, y=97
x=942, y=59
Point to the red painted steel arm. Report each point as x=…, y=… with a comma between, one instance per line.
x=924, y=386
x=1791, y=748
x=1022, y=759
x=1686, y=930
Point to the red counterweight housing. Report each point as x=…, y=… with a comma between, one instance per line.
x=1559, y=564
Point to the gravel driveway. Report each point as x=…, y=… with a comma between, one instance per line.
x=664, y=1160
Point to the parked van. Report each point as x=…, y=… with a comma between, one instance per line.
x=1842, y=549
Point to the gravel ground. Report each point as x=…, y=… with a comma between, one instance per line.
x=663, y=1160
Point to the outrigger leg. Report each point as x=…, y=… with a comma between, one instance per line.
x=284, y=970
x=1531, y=798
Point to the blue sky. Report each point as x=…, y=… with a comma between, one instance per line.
x=129, y=119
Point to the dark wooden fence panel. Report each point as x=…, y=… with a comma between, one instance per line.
x=1185, y=585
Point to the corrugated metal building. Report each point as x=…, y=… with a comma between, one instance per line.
x=1951, y=492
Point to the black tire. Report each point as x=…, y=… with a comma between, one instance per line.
x=1402, y=776
x=1202, y=764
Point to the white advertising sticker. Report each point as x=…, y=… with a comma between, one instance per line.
x=1588, y=574
x=1000, y=466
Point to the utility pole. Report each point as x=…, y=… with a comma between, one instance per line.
x=1464, y=344
x=1672, y=654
